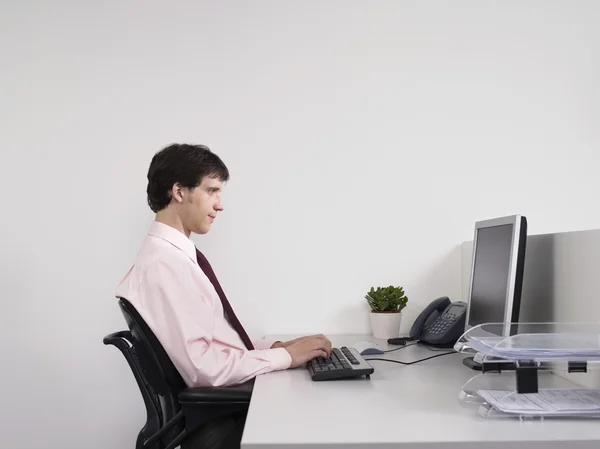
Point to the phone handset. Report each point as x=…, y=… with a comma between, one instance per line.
x=431, y=312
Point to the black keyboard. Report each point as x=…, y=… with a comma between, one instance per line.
x=342, y=363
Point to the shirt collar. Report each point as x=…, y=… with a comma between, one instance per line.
x=174, y=237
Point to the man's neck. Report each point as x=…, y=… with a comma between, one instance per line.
x=169, y=218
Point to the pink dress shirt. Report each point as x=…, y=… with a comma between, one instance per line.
x=180, y=305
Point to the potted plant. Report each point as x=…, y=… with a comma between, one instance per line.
x=386, y=306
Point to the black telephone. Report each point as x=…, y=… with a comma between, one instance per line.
x=441, y=323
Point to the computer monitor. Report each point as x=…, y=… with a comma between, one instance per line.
x=497, y=272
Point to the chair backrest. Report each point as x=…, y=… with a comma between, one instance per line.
x=157, y=367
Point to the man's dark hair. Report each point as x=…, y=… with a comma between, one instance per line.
x=184, y=164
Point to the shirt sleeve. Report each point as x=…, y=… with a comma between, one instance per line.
x=180, y=310
x=263, y=343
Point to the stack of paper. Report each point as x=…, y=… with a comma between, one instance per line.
x=557, y=402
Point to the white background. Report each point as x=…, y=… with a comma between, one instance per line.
x=364, y=139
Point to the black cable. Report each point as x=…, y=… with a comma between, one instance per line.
x=416, y=361
x=401, y=347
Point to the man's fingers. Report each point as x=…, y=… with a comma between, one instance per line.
x=320, y=353
x=324, y=346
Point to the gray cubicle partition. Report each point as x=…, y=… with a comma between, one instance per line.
x=561, y=281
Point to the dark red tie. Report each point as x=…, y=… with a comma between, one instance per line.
x=229, y=313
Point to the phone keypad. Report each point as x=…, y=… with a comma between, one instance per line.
x=441, y=325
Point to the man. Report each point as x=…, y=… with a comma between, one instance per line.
x=172, y=286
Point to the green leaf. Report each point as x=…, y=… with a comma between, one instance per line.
x=386, y=299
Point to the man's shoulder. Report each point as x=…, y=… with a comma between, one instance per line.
x=158, y=252
x=156, y=261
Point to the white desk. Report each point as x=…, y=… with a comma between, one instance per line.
x=399, y=407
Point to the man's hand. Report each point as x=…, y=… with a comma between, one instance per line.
x=304, y=349
x=285, y=344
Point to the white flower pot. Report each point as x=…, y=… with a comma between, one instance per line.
x=386, y=324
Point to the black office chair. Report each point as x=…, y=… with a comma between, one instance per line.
x=173, y=410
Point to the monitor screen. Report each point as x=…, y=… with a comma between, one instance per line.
x=490, y=275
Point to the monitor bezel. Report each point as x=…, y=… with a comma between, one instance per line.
x=512, y=301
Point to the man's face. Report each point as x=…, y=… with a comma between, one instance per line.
x=201, y=204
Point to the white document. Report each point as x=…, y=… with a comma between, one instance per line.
x=547, y=401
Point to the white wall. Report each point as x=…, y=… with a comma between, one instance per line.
x=363, y=138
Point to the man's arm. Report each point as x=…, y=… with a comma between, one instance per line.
x=287, y=344
x=181, y=312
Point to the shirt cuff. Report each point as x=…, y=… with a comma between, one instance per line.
x=280, y=358
x=263, y=343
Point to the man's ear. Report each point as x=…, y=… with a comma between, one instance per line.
x=177, y=193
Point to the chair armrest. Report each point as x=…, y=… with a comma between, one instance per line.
x=121, y=340
x=233, y=394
